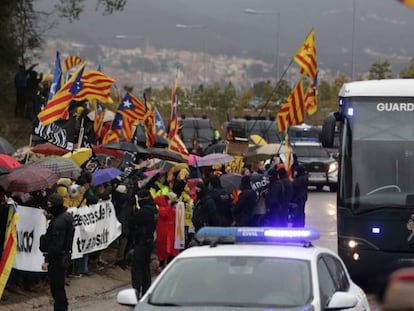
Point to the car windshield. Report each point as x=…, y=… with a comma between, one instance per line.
x=311, y=152
x=377, y=156
x=235, y=281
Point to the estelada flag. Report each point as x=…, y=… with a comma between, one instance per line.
x=95, y=86
x=306, y=56
x=173, y=128
x=58, y=106
x=131, y=108
x=149, y=123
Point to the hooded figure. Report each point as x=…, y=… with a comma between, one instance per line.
x=243, y=210
x=205, y=210
x=142, y=227
x=222, y=199
x=300, y=195
x=56, y=245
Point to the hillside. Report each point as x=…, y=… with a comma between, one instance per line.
x=15, y=130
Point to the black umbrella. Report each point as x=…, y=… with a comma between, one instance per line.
x=215, y=148
x=230, y=181
x=165, y=154
x=160, y=141
x=126, y=146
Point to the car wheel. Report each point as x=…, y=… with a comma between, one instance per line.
x=319, y=187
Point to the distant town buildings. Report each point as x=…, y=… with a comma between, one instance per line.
x=146, y=66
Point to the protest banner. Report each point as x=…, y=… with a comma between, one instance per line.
x=179, y=241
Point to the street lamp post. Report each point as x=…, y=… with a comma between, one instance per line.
x=256, y=12
x=197, y=26
x=136, y=37
x=353, y=41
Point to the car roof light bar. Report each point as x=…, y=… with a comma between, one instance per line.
x=258, y=234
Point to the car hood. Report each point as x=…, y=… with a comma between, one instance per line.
x=146, y=307
x=310, y=160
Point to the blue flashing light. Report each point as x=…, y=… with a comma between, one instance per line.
x=350, y=112
x=375, y=230
x=259, y=234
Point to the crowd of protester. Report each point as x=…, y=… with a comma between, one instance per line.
x=146, y=212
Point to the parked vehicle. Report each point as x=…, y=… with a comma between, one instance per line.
x=196, y=132
x=320, y=165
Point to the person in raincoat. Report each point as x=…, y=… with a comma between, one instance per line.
x=165, y=230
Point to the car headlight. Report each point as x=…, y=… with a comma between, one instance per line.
x=333, y=167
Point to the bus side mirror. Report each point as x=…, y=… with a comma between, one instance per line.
x=328, y=129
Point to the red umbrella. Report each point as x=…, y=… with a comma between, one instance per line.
x=49, y=149
x=28, y=179
x=100, y=149
x=9, y=162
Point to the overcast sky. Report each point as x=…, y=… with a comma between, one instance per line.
x=383, y=28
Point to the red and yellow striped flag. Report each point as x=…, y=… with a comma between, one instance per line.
x=293, y=110
x=311, y=100
x=174, y=141
x=10, y=247
x=149, y=123
x=96, y=86
x=131, y=108
x=58, y=106
x=409, y=3
x=114, y=133
x=71, y=61
x=98, y=121
x=173, y=130
x=306, y=56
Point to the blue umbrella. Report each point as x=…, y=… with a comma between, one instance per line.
x=104, y=175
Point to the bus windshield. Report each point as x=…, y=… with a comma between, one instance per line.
x=377, y=155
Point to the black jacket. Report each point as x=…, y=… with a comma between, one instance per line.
x=246, y=203
x=143, y=222
x=223, y=202
x=300, y=189
x=205, y=212
x=59, y=235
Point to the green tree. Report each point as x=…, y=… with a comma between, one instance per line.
x=408, y=72
x=282, y=91
x=71, y=9
x=380, y=71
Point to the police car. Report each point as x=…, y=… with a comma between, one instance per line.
x=252, y=269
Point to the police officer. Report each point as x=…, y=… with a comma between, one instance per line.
x=56, y=245
x=300, y=195
x=142, y=227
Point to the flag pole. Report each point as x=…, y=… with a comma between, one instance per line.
x=81, y=132
x=30, y=145
x=274, y=90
